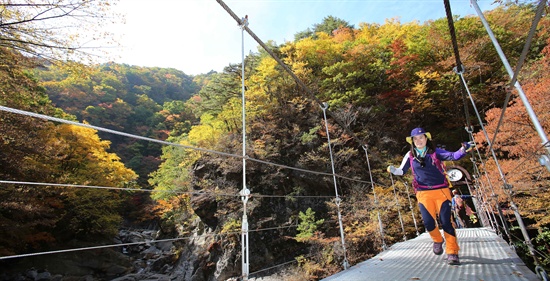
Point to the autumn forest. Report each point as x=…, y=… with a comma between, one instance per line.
x=378, y=80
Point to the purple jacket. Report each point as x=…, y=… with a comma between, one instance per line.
x=430, y=176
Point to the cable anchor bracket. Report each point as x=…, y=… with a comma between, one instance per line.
x=244, y=22
x=457, y=70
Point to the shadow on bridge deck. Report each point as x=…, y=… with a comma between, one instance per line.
x=483, y=256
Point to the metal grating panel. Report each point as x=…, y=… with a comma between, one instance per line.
x=484, y=256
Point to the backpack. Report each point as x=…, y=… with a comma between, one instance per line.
x=440, y=166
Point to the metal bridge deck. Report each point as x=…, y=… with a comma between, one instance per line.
x=484, y=256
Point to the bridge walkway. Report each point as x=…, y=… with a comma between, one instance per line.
x=484, y=256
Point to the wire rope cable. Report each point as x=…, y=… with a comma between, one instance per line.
x=376, y=204
x=459, y=71
x=489, y=191
x=506, y=185
x=245, y=192
x=398, y=209
x=105, y=246
x=411, y=208
x=532, y=30
x=142, y=242
x=287, y=69
x=523, y=97
x=59, y=120
x=295, y=260
x=324, y=107
x=528, y=154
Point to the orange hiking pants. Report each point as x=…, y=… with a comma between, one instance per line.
x=438, y=202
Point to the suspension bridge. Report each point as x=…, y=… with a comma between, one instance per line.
x=485, y=255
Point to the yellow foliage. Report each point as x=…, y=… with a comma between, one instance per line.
x=207, y=134
x=231, y=226
x=419, y=98
x=267, y=68
x=82, y=149
x=376, y=34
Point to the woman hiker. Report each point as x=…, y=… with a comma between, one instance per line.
x=463, y=212
x=432, y=188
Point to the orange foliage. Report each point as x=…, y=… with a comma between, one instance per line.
x=343, y=34
x=166, y=206
x=518, y=145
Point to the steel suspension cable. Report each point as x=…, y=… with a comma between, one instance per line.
x=479, y=202
x=59, y=120
x=139, y=243
x=337, y=199
x=245, y=192
x=158, y=191
x=107, y=246
x=304, y=88
x=143, y=242
x=450, y=22
x=398, y=208
x=285, y=263
x=459, y=69
x=487, y=201
x=380, y=224
x=543, y=160
x=54, y=119
x=528, y=154
x=506, y=186
x=538, y=15
x=281, y=264
x=486, y=196
x=411, y=208
x=295, y=260
x=489, y=191
x=298, y=81
x=487, y=214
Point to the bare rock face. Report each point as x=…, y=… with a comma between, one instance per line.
x=205, y=245
x=205, y=206
x=198, y=256
x=104, y=264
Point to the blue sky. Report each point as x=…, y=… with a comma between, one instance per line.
x=196, y=36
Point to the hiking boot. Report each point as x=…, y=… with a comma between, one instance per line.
x=453, y=259
x=438, y=248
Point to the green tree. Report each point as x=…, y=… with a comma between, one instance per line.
x=328, y=26
x=308, y=225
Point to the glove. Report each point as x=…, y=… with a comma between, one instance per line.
x=468, y=146
x=391, y=169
